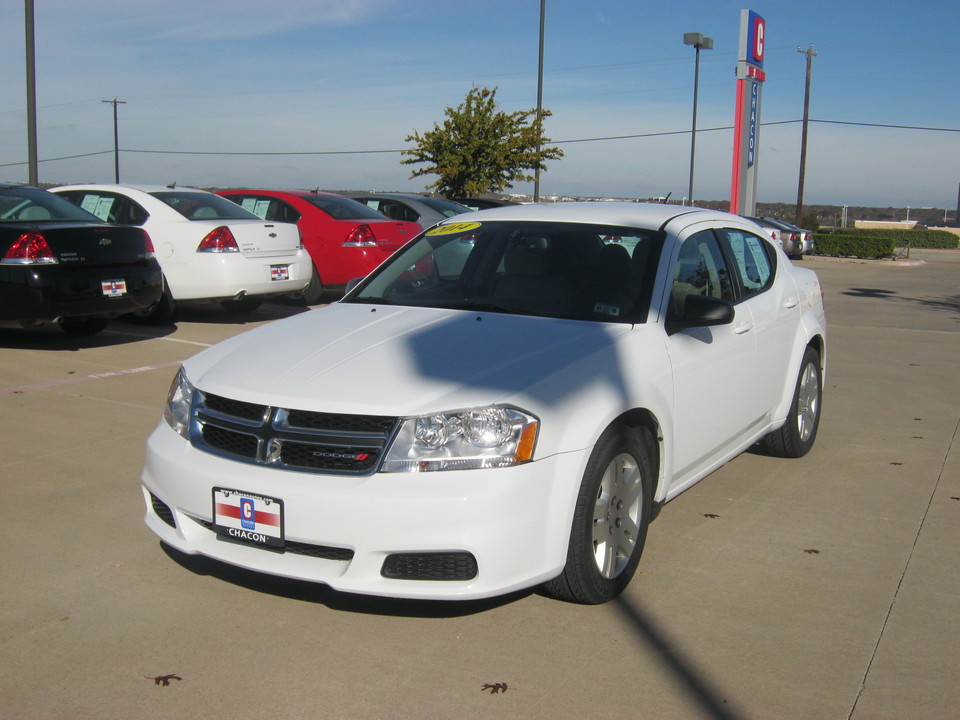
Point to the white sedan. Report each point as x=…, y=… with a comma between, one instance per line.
x=506, y=402
x=208, y=247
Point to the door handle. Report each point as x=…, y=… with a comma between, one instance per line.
x=742, y=328
x=791, y=302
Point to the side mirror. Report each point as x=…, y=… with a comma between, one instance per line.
x=701, y=311
x=352, y=284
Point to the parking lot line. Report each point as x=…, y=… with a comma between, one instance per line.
x=84, y=378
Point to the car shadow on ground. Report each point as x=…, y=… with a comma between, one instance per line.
x=212, y=313
x=49, y=336
x=335, y=600
x=947, y=304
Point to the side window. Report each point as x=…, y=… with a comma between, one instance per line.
x=754, y=262
x=701, y=270
x=267, y=208
x=111, y=208
x=396, y=211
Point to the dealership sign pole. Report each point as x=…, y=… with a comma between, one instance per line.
x=746, y=132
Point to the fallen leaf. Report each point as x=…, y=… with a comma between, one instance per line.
x=710, y=515
x=812, y=551
x=163, y=680
x=494, y=688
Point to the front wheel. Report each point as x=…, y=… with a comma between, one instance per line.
x=610, y=518
x=797, y=435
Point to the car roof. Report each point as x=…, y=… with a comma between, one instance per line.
x=630, y=214
x=138, y=187
x=295, y=193
x=405, y=196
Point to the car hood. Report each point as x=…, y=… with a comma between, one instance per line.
x=387, y=360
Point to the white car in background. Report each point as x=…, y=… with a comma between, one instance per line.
x=208, y=247
x=504, y=402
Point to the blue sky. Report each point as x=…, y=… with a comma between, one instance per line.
x=295, y=76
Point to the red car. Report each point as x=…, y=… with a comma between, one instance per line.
x=345, y=238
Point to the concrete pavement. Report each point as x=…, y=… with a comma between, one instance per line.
x=826, y=587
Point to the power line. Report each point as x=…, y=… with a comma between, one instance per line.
x=556, y=142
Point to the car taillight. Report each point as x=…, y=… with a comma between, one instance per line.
x=219, y=240
x=148, y=249
x=30, y=249
x=361, y=236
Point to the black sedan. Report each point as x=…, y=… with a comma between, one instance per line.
x=60, y=263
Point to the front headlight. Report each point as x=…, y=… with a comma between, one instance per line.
x=179, y=402
x=486, y=437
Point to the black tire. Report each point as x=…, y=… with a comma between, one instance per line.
x=84, y=326
x=314, y=291
x=157, y=314
x=797, y=435
x=610, y=518
x=248, y=303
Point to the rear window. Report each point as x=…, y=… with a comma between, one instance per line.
x=445, y=207
x=29, y=204
x=343, y=208
x=203, y=206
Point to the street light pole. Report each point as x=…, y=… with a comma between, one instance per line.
x=809, y=52
x=116, y=139
x=698, y=41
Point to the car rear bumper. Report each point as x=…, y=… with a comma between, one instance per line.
x=47, y=292
x=217, y=276
x=513, y=522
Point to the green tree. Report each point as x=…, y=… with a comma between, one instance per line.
x=479, y=148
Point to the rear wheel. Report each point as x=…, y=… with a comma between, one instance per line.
x=157, y=314
x=248, y=303
x=610, y=518
x=83, y=326
x=797, y=435
x=314, y=291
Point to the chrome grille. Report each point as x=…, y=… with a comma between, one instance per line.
x=290, y=439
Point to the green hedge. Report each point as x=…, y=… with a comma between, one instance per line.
x=846, y=245
x=849, y=242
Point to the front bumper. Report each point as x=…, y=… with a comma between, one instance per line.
x=515, y=521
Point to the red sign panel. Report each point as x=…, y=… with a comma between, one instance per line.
x=757, y=39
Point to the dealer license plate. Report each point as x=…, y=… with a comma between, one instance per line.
x=248, y=517
x=113, y=288
x=279, y=272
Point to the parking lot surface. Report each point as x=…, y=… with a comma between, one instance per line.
x=825, y=587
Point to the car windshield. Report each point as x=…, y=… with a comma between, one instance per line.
x=30, y=204
x=344, y=208
x=203, y=206
x=566, y=270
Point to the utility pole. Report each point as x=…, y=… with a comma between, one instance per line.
x=536, y=171
x=809, y=52
x=116, y=139
x=31, y=94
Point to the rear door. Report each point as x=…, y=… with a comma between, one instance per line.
x=770, y=296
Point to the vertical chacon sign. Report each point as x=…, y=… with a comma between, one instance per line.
x=750, y=78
